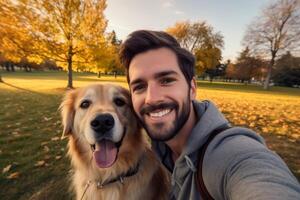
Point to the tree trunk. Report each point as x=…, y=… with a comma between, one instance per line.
x=269, y=72
x=12, y=66
x=1, y=81
x=7, y=67
x=70, y=75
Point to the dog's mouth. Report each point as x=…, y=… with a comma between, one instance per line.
x=105, y=153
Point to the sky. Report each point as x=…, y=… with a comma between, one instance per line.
x=229, y=17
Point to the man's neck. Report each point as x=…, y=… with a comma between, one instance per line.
x=178, y=142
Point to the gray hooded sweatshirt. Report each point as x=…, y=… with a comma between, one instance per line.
x=237, y=165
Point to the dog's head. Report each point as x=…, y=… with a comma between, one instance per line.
x=101, y=123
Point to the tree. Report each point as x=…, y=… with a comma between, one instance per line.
x=200, y=39
x=67, y=31
x=230, y=72
x=276, y=30
x=247, y=66
x=207, y=58
x=219, y=70
x=287, y=70
x=2, y=59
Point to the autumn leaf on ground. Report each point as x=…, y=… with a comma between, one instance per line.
x=265, y=130
x=252, y=124
x=40, y=163
x=46, y=148
x=277, y=121
x=44, y=143
x=47, y=119
x=57, y=157
x=296, y=136
x=55, y=138
x=13, y=175
x=6, y=169
x=15, y=133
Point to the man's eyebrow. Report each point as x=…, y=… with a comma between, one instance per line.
x=136, y=81
x=165, y=73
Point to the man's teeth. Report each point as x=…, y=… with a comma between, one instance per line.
x=160, y=113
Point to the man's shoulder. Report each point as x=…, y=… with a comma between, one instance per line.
x=233, y=142
x=239, y=159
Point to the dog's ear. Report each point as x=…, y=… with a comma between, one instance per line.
x=67, y=109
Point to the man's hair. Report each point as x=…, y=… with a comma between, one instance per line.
x=144, y=40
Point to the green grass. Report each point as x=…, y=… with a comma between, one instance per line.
x=30, y=126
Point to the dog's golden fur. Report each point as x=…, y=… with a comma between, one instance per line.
x=151, y=179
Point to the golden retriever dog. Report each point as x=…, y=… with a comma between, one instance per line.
x=109, y=153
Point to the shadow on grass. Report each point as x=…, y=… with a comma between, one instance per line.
x=19, y=88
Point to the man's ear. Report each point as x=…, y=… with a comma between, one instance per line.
x=193, y=90
x=67, y=110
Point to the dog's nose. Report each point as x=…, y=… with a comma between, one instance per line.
x=103, y=123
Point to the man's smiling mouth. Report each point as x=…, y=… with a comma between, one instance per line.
x=159, y=113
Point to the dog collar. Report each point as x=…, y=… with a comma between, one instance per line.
x=121, y=177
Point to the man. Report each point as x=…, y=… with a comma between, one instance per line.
x=236, y=165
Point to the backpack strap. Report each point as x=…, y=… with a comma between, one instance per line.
x=199, y=177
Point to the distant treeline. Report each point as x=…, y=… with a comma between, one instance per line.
x=247, y=69
x=27, y=66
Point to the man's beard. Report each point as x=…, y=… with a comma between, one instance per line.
x=171, y=131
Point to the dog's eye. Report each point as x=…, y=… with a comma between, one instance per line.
x=85, y=104
x=119, y=102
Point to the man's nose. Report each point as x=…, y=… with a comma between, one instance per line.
x=153, y=95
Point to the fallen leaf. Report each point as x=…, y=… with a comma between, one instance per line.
x=44, y=143
x=252, y=124
x=47, y=119
x=55, y=138
x=15, y=133
x=46, y=148
x=57, y=157
x=13, y=175
x=296, y=136
x=40, y=163
x=265, y=130
x=6, y=169
x=292, y=140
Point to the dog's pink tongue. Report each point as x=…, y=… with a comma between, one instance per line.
x=106, y=155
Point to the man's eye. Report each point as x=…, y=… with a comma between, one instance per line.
x=85, y=104
x=166, y=81
x=138, y=88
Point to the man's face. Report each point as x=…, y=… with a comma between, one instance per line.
x=161, y=96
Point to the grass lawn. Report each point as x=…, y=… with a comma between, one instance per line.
x=33, y=158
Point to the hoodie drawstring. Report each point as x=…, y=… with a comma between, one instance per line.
x=190, y=163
